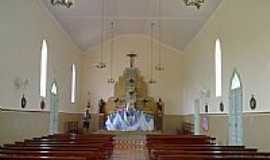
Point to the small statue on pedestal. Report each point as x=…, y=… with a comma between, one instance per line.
x=101, y=105
x=160, y=106
x=87, y=117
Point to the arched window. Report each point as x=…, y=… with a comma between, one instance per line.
x=73, y=83
x=235, y=82
x=54, y=89
x=43, y=68
x=236, y=110
x=54, y=107
x=218, y=68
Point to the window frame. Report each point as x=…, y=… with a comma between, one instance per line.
x=73, y=90
x=218, y=68
x=43, y=69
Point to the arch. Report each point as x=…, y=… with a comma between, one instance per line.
x=54, y=108
x=235, y=110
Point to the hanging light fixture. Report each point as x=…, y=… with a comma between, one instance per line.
x=159, y=66
x=65, y=3
x=152, y=81
x=111, y=80
x=196, y=3
x=101, y=64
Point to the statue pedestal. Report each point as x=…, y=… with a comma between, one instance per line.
x=159, y=122
x=101, y=120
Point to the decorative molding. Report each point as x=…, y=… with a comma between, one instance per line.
x=21, y=110
x=34, y=111
x=180, y=115
x=226, y=113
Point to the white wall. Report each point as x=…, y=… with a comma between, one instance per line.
x=24, y=23
x=169, y=86
x=244, y=28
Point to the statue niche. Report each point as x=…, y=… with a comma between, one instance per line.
x=131, y=109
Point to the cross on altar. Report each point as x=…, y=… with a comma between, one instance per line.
x=132, y=57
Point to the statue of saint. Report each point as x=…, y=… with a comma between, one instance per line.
x=87, y=117
x=101, y=105
x=160, y=106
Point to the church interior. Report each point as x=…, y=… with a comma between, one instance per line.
x=134, y=79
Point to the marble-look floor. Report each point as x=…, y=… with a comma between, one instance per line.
x=130, y=147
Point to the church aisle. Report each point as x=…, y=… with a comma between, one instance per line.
x=131, y=147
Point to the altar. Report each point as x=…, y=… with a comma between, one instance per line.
x=131, y=120
x=131, y=109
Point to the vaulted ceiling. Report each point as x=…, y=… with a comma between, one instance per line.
x=179, y=23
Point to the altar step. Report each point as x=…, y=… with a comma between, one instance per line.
x=131, y=147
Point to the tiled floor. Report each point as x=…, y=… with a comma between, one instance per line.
x=130, y=147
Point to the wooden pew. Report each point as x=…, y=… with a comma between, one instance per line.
x=102, y=152
x=103, y=139
x=71, y=148
x=190, y=147
x=213, y=157
x=29, y=157
x=181, y=139
x=97, y=147
x=78, y=140
x=76, y=136
x=156, y=153
x=87, y=154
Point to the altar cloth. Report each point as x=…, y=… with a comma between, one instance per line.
x=129, y=120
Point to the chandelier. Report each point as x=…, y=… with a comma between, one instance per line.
x=65, y=3
x=111, y=80
x=159, y=66
x=101, y=64
x=196, y=3
x=151, y=81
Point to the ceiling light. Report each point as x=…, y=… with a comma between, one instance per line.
x=111, y=80
x=159, y=66
x=65, y=3
x=101, y=64
x=196, y=3
x=151, y=81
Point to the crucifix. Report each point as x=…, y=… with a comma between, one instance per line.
x=132, y=57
